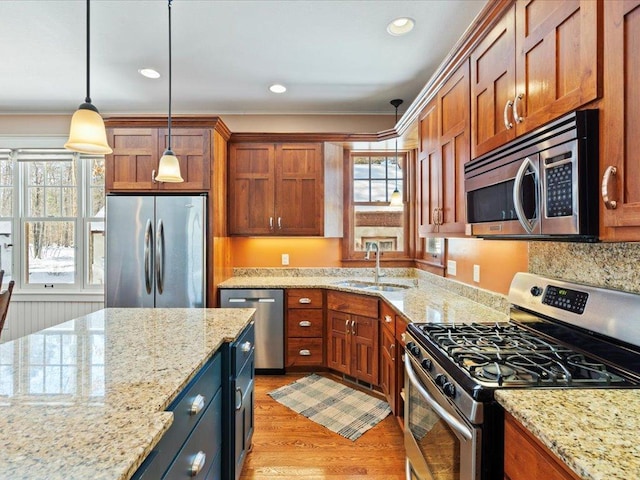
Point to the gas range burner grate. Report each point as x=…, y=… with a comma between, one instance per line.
x=508, y=355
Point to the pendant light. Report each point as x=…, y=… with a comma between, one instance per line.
x=169, y=167
x=87, y=133
x=396, y=196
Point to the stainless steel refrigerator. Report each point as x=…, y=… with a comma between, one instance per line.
x=156, y=251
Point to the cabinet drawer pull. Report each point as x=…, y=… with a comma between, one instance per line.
x=196, y=405
x=609, y=203
x=353, y=327
x=305, y=300
x=507, y=123
x=197, y=464
x=305, y=323
x=245, y=347
x=153, y=176
x=392, y=348
x=239, y=398
x=279, y=223
x=270, y=223
x=516, y=102
x=388, y=319
x=346, y=326
x=305, y=353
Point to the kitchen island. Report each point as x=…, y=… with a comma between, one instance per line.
x=594, y=432
x=87, y=398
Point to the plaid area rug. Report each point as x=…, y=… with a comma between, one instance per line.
x=341, y=409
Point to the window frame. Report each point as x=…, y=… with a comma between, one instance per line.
x=349, y=253
x=20, y=157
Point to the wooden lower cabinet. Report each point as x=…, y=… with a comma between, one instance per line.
x=304, y=328
x=353, y=335
x=388, y=354
x=525, y=458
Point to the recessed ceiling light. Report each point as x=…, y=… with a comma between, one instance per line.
x=400, y=26
x=149, y=73
x=277, y=88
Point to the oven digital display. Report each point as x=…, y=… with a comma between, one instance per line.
x=566, y=299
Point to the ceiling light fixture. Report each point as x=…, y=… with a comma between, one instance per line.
x=396, y=196
x=400, y=26
x=169, y=167
x=149, y=73
x=87, y=133
x=277, y=88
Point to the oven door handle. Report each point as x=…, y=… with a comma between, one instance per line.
x=517, y=194
x=453, y=422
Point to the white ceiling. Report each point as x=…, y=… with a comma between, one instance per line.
x=335, y=56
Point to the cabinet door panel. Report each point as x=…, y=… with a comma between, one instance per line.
x=338, y=345
x=134, y=159
x=299, y=189
x=556, y=58
x=365, y=341
x=251, y=188
x=428, y=173
x=388, y=366
x=621, y=119
x=192, y=146
x=492, y=86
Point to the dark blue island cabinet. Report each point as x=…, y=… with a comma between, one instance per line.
x=238, y=403
x=213, y=420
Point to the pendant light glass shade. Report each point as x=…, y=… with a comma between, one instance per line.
x=87, y=133
x=396, y=199
x=169, y=166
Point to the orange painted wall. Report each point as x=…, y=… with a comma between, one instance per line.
x=303, y=252
x=499, y=260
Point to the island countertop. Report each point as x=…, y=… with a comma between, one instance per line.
x=593, y=431
x=86, y=398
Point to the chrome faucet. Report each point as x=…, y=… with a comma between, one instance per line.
x=372, y=246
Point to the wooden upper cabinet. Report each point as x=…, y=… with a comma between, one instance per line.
x=251, y=188
x=539, y=62
x=299, y=190
x=444, y=129
x=493, y=84
x=276, y=189
x=620, y=122
x=136, y=153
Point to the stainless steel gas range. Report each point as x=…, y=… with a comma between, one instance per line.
x=560, y=335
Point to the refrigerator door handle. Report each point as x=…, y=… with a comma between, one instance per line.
x=160, y=257
x=148, y=239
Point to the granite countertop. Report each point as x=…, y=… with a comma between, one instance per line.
x=86, y=398
x=594, y=432
x=419, y=302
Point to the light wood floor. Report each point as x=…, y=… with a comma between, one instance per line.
x=286, y=445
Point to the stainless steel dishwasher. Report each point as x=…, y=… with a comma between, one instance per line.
x=269, y=322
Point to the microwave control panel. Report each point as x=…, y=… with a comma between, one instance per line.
x=559, y=185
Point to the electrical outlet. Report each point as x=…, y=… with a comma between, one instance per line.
x=451, y=267
x=285, y=259
x=476, y=273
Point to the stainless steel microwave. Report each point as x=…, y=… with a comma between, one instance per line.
x=543, y=185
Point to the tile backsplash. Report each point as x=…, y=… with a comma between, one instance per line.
x=608, y=265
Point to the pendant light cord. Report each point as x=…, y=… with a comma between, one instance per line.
x=396, y=147
x=169, y=139
x=88, y=98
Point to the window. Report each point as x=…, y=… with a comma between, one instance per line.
x=52, y=219
x=373, y=178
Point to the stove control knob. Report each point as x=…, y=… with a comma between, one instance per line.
x=426, y=364
x=449, y=389
x=536, y=291
x=441, y=380
x=414, y=349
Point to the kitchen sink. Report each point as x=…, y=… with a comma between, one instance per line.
x=353, y=284
x=385, y=288
x=371, y=286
